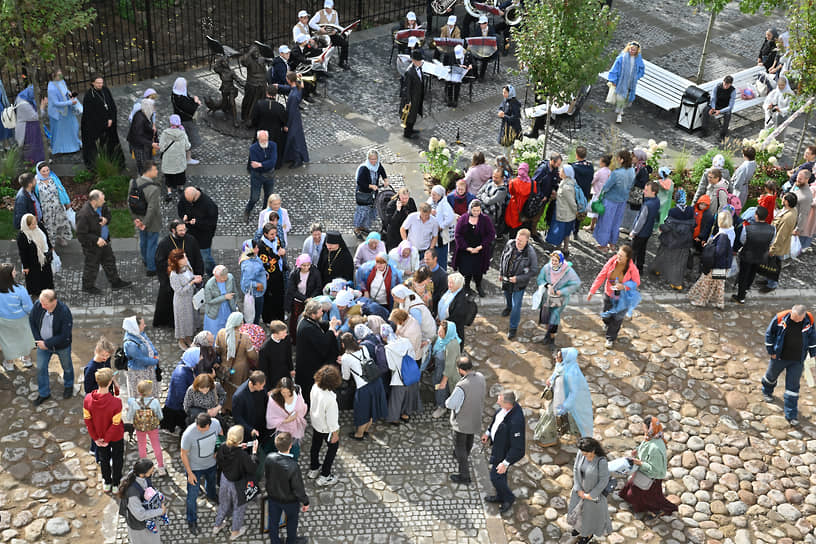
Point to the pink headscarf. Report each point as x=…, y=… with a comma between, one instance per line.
x=303, y=259
x=524, y=172
x=405, y=244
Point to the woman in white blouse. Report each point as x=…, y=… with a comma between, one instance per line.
x=778, y=103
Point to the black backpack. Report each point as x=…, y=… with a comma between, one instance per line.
x=534, y=204
x=120, y=359
x=137, y=202
x=371, y=372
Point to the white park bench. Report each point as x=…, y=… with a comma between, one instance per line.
x=742, y=79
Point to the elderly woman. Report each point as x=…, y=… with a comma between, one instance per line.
x=615, y=274
x=478, y=174
x=510, y=115
x=590, y=477
x=205, y=342
x=379, y=281
x=452, y=305
x=236, y=466
x=203, y=395
x=715, y=263
x=405, y=257
x=404, y=400
x=570, y=398
x=445, y=352
x=237, y=354
x=559, y=281
x=769, y=51
x=623, y=77
x=704, y=185
x=63, y=108
x=411, y=302
x=181, y=379
x=286, y=412
x=493, y=196
x=27, y=131
x=335, y=259
x=368, y=181
x=55, y=202
x=474, y=240
x=396, y=211
x=614, y=195
x=36, y=254
x=304, y=283
x=651, y=459
x=676, y=239
x=784, y=222
x=369, y=397
x=445, y=218
x=367, y=251
x=183, y=282
x=778, y=103
x=566, y=209
x=253, y=277
x=142, y=355
x=219, y=299
x=141, y=134
x=635, y=199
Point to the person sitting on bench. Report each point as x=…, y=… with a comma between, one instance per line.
x=722, y=103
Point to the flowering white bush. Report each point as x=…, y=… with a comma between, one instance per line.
x=529, y=150
x=768, y=150
x=439, y=158
x=653, y=153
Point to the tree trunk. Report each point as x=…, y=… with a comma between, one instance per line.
x=798, y=155
x=547, y=129
x=701, y=68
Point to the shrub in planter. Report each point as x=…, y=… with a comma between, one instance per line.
x=704, y=162
x=115, y=189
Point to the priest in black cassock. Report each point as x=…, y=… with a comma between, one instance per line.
x=176, y=239
x=98, y=125
x=275, y=355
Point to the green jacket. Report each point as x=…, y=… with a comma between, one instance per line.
x=653, y=455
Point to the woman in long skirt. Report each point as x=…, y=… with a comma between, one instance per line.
x=55, y=201
x=27, y=132
x=36, y=254
x=369, y=398
x=560, y=281
x=710, y=287
x=62, y=116
x=615, y=194
x=183, y=282
x=295, y=152
x=16, y=340
x=676, y=239
x=652, y=461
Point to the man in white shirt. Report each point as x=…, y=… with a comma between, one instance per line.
x=327, y=16
x=421, y=229
x=302, y=26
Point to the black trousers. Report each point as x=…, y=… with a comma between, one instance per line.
x=94, y=256
x=614, y=322
x=314, y=453
x=462, y=444
x=111, y=457
x=342, y=43
x=747, y=273
x=721, y=122
x=639, y=249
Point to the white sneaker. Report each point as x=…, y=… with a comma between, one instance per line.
x=620, y=118
x=312, y=474
x=196, y=161
x=609, y=344
x=106, y=488
x=161, y=471
x=114, y=489
x=793, y=422
x=239, y=534
x=439, y=412
x=217, y=529
x=8, y=365
x=324, y=481
x=26, y=362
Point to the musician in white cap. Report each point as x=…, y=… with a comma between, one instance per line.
x=302, y=26
x=411, y=21
x=485, y=31
x=450, y=30
x=328, y=16
x=463, y=59
x=300, y=56
x=277, y=72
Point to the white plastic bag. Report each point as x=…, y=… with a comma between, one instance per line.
x=810, y=371
x=795, y=247
x=249, y=308
x=198, y=299
x=538, y=296
x=734, y=270
x=71, y=217
x=56, y=263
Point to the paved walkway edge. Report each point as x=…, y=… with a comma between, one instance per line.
x=494, y=523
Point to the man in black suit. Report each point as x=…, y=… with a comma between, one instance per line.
x=284, y=485
x=414, y=93
x=270, y=115
x=506, y=434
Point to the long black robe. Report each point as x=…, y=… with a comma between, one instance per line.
x=332, y=265
x=99, y=107
x=316, y=346
x=39, y=277
x=275, y=267
x=163, y=315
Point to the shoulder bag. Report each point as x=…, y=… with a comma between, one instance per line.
x=641, y=481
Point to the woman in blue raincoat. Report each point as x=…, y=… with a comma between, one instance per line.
x=570, y=397
x=624, y=75
x=557, y=281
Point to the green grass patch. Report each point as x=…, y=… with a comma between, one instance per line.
x=7, y=231
x=121, y=225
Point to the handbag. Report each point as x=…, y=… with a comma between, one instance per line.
x=553, y=301
x=198, y=299
x=251, y=490
x=770, y=269
x=641, y=481
x=598, y=205
x=610, y=95
x=249, y=308
x=363, y=198
x=635, y=197
x=508, y=135
x=574, y=516
x=719, y=273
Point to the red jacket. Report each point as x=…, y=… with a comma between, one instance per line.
x=769, y=203
x=603, y=276
x=519, y=192
x=103, y=416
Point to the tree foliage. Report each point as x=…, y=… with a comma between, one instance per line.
x=560, y=43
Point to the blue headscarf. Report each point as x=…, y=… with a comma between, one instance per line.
x=511, y=91
x=27, y=94
x=442, y=343
x=680, y=198
x=191, y=356
x=375, y=167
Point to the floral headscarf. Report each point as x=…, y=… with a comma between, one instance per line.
x=655, y=430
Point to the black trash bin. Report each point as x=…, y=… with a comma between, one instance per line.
x=692, y=108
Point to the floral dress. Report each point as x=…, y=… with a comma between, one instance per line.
x=183, y=312
x=54, y=216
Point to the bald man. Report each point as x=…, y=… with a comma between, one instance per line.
x=200, y=213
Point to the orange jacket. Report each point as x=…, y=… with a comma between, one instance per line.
x=632, y=274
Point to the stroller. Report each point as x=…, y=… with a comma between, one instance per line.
x=381, y=201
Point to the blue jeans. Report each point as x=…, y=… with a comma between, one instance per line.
x=258, y=308
x=43, y=356
x=209, y=262
x=513, y=300
x=793, y=374
x=499, y=481
x=208, y=475
x=147, y=247
x=442, y=256
x=292, y=510
x=805, y=241
x=364, y=216
x=258, y=180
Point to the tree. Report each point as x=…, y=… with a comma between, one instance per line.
x=560, y=43
x=33, y=30
x=714, y=7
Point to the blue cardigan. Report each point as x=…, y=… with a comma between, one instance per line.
x=619, y=184
x=16, y=304
x=364, y=178
x=253, y=273
x=614, y=73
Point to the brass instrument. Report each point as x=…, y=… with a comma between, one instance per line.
x=406, y=109
x=512, y=15
x=442, y=6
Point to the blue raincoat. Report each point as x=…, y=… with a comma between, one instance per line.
x=627, y=301
x=577, y=400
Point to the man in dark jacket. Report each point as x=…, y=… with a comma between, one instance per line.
x=284, y=485
x=756, y=238
x=644, y=223
x=584, y=171
x=176, y=239
x=270, y=115
x=518, y=265
x=439, y=277
x=316, y=346
x=546, y=179
x=249, y=406
x=200, y=214
x=790, y=337
x=26, y=201
x=275, y=355
x=506, y=434
x=52, y=325
x=149, y=224
x=263, y=155
x=414, y=93
x=92, y=232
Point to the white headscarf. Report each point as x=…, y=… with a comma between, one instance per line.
x=148, y=107
x=131, y=325
x=718, y=161
x=36, y=237
x=180, y=86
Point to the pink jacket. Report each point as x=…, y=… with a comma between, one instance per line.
x=275, y=415
x=632, y=274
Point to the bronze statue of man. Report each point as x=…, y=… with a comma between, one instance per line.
x=255, y=86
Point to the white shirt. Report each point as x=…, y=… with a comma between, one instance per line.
x=499, y=418
x=299, y=29
x=351, y=364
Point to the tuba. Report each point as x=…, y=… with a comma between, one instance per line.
x=442, y=6
x=512, y=15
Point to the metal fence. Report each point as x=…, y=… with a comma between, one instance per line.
x=132, y=40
